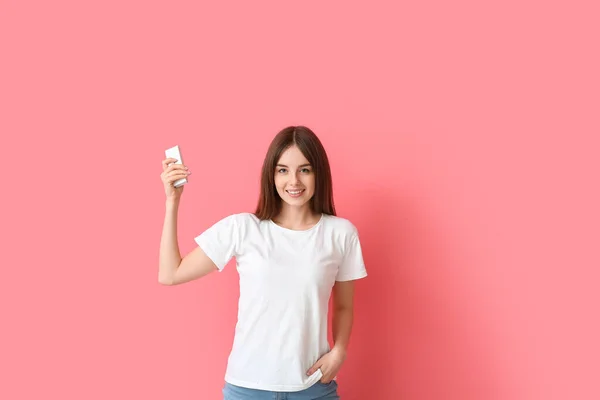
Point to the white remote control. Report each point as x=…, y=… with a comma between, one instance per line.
x=174, y=152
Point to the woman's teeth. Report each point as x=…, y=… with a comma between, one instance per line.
x=295, y=193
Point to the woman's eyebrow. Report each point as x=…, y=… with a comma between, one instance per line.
x=303, y=165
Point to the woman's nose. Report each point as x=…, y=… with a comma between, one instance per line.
x=294, y=178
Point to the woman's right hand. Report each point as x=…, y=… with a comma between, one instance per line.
x=171, y=173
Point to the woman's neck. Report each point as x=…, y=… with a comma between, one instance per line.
x=294, y=218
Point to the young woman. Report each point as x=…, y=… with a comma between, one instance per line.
x=291, y=253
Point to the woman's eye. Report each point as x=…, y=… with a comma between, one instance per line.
x=304, y=170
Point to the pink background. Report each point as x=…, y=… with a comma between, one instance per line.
x=464, y=145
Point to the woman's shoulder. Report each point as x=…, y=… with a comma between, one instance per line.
x=238, y=218
x=341, y=224
x=244, y=218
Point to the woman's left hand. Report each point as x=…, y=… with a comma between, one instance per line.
x=330, y=364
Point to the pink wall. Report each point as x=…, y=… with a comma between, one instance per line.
x=464, y=145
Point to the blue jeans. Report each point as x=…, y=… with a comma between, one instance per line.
x=318, y=391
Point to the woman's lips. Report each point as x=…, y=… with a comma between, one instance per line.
x=295, y=193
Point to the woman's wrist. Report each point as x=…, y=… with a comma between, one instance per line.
x=338, y=348
x=172, y=201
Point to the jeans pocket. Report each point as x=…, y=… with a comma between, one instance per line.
x=330, y=383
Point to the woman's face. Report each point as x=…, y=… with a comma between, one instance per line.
x=294, y=178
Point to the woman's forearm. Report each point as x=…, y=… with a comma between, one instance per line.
x=342, y=327
x=169, y=256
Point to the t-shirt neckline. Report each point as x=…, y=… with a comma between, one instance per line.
x=299, y=231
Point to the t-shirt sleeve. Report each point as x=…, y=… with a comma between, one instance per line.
x=353, y=265
x=220, y=241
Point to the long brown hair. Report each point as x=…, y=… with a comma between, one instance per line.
x=269, y=202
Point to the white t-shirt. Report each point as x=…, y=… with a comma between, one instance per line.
x=286, y=277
